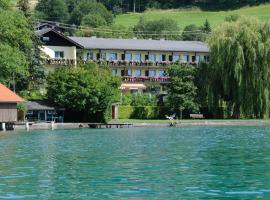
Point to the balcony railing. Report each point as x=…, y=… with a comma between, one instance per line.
x=60, y=61
x=158, y=79
x=116, y=63
x=63, y=62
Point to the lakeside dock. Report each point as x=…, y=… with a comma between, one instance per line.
x=54, y=126
x=178, y=124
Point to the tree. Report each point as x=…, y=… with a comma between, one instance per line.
x=5, y=5
x=240, y=68
x=86, y=7
x=181, y=89
x=93, y=20
x=24, y=6
x=88, y=89
x=16, y=31
x=192, y=33
x=157, y=29
x=206, y=27
x=53, y=10
x=12, y=64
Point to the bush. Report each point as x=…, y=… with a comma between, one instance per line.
x=125, y=112
x=145, y=112
x=142, y=112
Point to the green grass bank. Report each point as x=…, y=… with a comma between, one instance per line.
x=196, y=16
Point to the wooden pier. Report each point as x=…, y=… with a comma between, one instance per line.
x=53, y=126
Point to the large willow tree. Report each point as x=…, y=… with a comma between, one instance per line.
x=240, y=68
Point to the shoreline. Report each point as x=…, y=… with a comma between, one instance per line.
x=177, y=124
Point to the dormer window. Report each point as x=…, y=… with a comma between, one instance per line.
x=46, y=39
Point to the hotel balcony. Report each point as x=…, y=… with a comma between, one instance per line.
x=116, y=63
x=59, y=61
x=142, y=79
x=67, y=62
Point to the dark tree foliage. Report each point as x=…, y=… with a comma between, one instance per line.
x=53, y=10
x=24, y=6
x=74, y=12
x=182, y=91
x=92, y=7
x=157, y=29
x=193, y=33
x=5, y=5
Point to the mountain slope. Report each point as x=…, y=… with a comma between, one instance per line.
x=195, y=16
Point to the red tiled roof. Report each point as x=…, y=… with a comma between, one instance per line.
x=6, y=95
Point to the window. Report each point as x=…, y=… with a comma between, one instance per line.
x=30, y=112
x=59, y=54
x=114, y=71
x=161, y=73
x=152, y=57
x=159, y=57
x=103, y=56
x=138, y=73
x=146, y=57
x=186, y=58
x=176, y=57
x=164, y=57
x=198, y=58
x=51, y=112
x=206, y=59
x=46, y=39
x=90, y=56
x=152, y=72
x=129, y=72
x=112, y=56
x=128, y=56
x=138, y=57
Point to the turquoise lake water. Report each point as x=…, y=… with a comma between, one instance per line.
x=174, y=163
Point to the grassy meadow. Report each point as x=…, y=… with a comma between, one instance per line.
x=188, y=16
x=194, y=16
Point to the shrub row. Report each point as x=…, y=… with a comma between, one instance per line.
x=142, y=112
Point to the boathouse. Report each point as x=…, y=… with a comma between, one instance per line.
x=8, y=105
x=44, y=111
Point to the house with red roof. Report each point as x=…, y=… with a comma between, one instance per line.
x=8, y=105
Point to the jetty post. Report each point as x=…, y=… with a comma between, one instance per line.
x=27, y=126
x=3, y=126
x=53, y=125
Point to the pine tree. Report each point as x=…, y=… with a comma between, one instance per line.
x=207, y=26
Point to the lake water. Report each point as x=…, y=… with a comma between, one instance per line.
x=174, y=163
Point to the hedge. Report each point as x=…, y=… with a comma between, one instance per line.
x=142, y=112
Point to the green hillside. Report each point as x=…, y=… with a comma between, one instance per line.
x=194, y=16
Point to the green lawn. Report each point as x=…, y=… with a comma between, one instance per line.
x=194, y=16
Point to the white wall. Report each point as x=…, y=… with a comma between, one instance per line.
x=69, y=52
